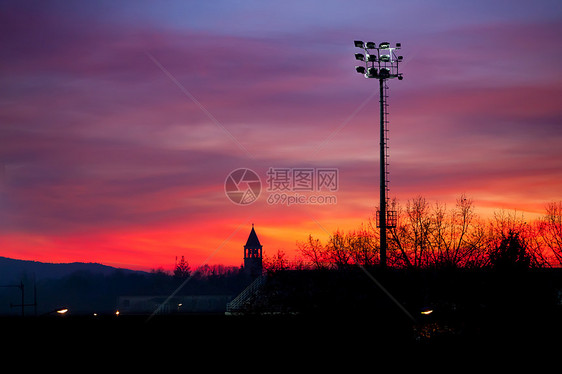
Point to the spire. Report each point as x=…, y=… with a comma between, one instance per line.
x=253, y=255
x=253, y=242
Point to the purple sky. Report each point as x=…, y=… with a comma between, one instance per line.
x=120, y=121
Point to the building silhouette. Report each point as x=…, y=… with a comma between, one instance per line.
x=253, y=265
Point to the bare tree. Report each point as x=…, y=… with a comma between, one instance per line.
x=337, y=250
x=399, y=237
x=540, y=252
x=362, y=246
x=313, y=250
x=435, y=236
x=450, y=233
x=277, y=262
x=512, y=239
x=503, y=222
x=550, y=229
x=341, y=250
x=216, y=270
x=397, y=255
x=417, y=234
x=476, y=245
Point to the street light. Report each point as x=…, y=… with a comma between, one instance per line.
x=62, y=311
x=381, y=63
x=426, y=311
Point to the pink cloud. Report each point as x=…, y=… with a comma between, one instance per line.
x=105, y=157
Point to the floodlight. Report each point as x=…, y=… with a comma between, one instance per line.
x=371, y=45
x=360, y=69
x=400, y=58
x=385, y=73
x=359, y=56
x=384, y=45
x=400, y=77
x=385, y=58
x=359, y=44
x=398, y=45
x=372, y=72
x=371, y=58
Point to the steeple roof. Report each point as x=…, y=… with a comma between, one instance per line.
x=253, y=242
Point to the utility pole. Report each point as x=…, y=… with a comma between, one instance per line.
x=381, y=63
x=23, y=304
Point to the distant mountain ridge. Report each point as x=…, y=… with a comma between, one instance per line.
x=13, y=271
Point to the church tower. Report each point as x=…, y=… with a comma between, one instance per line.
x=253, y=255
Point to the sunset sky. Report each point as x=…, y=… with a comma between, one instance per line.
x=121, y=120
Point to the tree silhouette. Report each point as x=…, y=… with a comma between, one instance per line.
x=337, y=251
x=550, y=229
x=434, y=236
x=276, y=263
x=313, y=250
x=182, y=269
x=511, y=253
x=363, y=247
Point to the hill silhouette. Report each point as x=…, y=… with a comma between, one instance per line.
x=13, y=270
x=77, y=284
x=87, y=288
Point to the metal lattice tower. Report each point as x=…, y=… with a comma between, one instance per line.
x=390, y=214
x=381, y=63
x=386, y=137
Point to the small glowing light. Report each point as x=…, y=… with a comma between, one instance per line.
x=62, y=311
x=427, y=311
x=116, y=312
x=95, y=314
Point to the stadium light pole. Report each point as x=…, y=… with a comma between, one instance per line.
x=381, y=62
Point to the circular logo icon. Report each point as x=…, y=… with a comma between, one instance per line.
x=242, y=186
